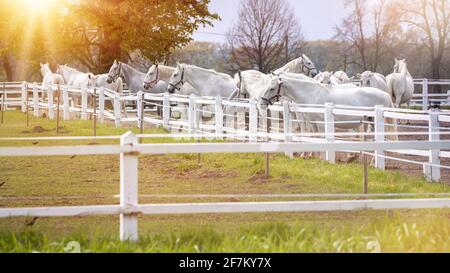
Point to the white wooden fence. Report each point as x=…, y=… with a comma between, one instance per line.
x=129, y=208
x=280, y=127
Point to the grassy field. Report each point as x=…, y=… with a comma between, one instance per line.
x=51, y=181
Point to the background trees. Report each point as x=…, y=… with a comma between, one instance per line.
x=92, y=33
x=266, y=35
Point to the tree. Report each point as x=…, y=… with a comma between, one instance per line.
x=92, y=33
x=25, y=38
x=432, y=19
x=111, y=29
x=368, y=30
x=266, y=35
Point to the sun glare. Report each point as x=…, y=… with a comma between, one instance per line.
x=37, y=6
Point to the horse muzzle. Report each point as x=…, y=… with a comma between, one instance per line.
x=171, y=89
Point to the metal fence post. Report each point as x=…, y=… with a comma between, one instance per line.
x=219, y=116
x=84, y=102
x=329, y=131
x=380, y=162
x=434, y=154
x=101, y=105
x=35, y=100
x=24, y=97
x=425, y=98
x=51, y=112
x=128, y=188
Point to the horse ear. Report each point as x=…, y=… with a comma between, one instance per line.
x=358, y=75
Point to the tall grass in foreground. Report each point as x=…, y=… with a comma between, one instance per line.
x=387, y=235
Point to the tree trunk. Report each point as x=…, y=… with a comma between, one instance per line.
x=436, y=73
x=8, y=68
x=110, y=50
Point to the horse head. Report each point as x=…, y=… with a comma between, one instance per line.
x=152, y=77
x=177, y=80
x=272, y=93
x=114, y=72
x=308, y=66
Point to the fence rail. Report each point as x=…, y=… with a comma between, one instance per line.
x=243, y=120
x=129, y=208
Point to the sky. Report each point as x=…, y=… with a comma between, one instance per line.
x=317, y=17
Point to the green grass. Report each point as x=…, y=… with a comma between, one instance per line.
x=384, y=232
x=89, y=180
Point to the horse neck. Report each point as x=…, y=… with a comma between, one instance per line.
x=404, y=70
x=303, y=92
x=289, y=67
x=165, y=72
x=198, y=82
x=129, y=73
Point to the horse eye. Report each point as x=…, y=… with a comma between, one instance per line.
x=271, y=89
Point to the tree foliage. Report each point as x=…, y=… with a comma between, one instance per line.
x=92, y=33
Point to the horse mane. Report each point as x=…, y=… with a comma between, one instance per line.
x=132, y=68
x=210, y=71
x=166, y=71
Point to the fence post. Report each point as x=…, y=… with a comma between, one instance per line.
x=66, y=106
x=253, y=121
x=139, y=109
x=128, y=188
x=434, y=160
x=84, y=100
x=35, y=101
x=51, y=112
x=425, y=94
x=287, y=125
x=380, y=162
x=117, y=110
x=24, y=97
x=166, y=111
x=219, y=116
x=448, y=98
x=329, y=131
x=192, y=115
x=101, y=104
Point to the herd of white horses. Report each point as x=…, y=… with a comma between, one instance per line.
x=298, y=81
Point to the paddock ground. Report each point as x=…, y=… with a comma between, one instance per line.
x=58, y=181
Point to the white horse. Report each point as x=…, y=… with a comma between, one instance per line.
x=76, y=79
x=376, y=80
x=49, y=78
x=158, y=73
x=133, y=78
x=307, y=92
x=326, y=78
x=302, y=65
x=342, y=77
x=401, y=84
x=207, y=83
